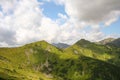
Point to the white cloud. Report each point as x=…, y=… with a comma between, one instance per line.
x=94, y=11
x=3, y=44
x=49, y=29
x=26, y=24
x=6, y=35
x=62, y=16
x=7, y=5
x=112, y=18
x=84, y=13
x=23, y=21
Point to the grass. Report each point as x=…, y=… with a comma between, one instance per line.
x=42, y=61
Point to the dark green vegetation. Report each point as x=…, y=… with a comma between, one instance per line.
x=41, y=61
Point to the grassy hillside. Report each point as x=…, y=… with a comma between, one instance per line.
x=97, y=51
x=22, y=62
x=42, y=61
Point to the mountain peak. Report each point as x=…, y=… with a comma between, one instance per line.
x=61, y=45
x=115, y=43
x=38, y=43
x=82, y=41
x=107, y=40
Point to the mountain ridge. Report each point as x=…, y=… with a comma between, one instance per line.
x=105, y=41
x=40, y=60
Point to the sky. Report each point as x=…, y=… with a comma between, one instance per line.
x=58, y=21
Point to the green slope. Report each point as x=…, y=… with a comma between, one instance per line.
x=97, y=51
x=22, y=62
x=42, y=61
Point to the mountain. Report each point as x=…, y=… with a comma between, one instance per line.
x=26, y=62
x=40, y=60
x=110, y=42
x=105, y=41
x=115, y=43
x=96, y=51
x=61, y=45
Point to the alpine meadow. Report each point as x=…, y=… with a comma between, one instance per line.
x=59, y=40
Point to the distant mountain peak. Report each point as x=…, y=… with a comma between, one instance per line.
x=115, y=43
x=60, y=45
x=110, y=41
x=107, y=40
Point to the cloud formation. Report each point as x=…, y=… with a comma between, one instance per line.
x=23, y=17
x=94, y=11
x=6, y=35
x=84, y=13
x=23, y=21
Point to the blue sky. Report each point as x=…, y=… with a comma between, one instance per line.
x=51, y=10
x=114, y=28
x=0, y=8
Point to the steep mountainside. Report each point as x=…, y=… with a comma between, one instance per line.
x=42, y=61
